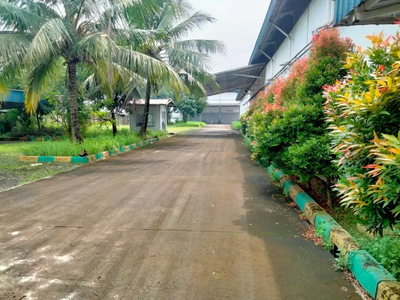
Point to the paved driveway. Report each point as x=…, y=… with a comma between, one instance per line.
x=191, y=217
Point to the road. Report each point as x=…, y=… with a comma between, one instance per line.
x=191, y=217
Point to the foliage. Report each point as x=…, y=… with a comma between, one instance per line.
x=287, y=123
x=37, y=37
x=190, y=107
x=236, y=125
x=386, y=249
x=187, y=57
x=364, y=116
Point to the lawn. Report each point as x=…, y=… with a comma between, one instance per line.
x=13, y=172
x=184, y=127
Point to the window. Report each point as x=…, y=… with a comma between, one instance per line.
x=150, y=121
x=163, y=115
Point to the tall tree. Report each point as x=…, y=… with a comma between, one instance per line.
x=190, y=106
x=189, y=58
x=37, y=35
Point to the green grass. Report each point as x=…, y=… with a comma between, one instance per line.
x=14, y=173
x=386, y=249
x=236, y=125
x=183, y=127
x=188, y=124
x=96, y=140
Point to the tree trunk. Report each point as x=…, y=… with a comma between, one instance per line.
x=143, y=129
x=114, y=123
x=76, y=135
x=38, y=121
x=328, y=192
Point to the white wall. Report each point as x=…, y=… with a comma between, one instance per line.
x=318, y=14
x=139, y=109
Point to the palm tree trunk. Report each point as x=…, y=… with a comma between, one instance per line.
x=143, y=129
x=76, y=135
x=114, y=123
x=38, y=121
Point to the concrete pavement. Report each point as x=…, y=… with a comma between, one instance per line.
x=191, y=217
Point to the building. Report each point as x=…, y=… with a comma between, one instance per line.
x=286, y=36
x=157, y=114
x=15, y=99
x=219, y=111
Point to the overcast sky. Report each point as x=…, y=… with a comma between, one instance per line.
x=238, y=25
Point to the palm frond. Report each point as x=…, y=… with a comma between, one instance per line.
x=202, y=46
x=148, y=67
x=36, y=80
x=49, y=40
x=16, y=18
x=197, y=20
x=13, y=46
x=133, y=36
x=181, y=57
x=42, y=9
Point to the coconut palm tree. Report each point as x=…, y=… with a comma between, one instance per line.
x=188, y=57
x=37, y=34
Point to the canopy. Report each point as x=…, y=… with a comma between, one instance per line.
x=235, y=79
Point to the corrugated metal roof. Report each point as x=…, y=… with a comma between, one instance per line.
x=167, y=102
x=233, y=80
x=355, y=12
x=283, y=14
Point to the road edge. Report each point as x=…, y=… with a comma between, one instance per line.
x=379, y=283
x=89, y=158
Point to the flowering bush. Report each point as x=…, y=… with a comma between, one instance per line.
x=363, y=110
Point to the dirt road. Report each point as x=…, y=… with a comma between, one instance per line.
x=191, y=217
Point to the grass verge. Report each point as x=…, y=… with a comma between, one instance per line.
x=96, y=140
x=188, y=124
x=14, y=173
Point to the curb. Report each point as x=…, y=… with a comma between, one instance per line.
x=372, y=276
x=89, y=158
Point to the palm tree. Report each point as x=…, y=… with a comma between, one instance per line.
x=36, y=36
x=189, y=58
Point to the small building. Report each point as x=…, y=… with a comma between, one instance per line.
x=15, y=99
x=157, y=114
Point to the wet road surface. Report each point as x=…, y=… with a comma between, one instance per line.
x=191, y=217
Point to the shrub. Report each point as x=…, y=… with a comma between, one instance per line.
x=287, y=122
x=236, y=125
x=364, y=114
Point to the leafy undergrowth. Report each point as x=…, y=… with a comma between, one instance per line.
x=386, y=249
x=14, y=173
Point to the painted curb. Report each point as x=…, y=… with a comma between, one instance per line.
x=89, y=158
x=373, y=277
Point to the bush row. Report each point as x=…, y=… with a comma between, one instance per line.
x=336, y=115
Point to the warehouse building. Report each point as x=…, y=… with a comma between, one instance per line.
x=286, y=36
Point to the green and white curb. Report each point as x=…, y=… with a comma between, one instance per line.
x=89, y=158
x=373, y=277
